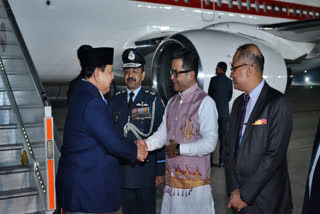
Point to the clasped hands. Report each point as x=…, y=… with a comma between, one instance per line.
x=235, y=201
x=142, y=150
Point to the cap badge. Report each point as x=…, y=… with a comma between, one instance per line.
x=131, y=56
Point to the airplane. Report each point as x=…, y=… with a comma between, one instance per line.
x=286, y=31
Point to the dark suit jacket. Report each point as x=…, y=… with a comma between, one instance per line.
x=261, y=171
x=138, y=175
x=220, y=89
x=88, y=172
x=72, y=85
x=316, y=144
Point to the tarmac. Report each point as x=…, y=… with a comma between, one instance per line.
x=305, y=104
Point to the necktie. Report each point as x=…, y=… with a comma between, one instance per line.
x=315, y=189
x=130, y=100
x=243, y=114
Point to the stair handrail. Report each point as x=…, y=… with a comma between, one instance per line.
x=26, y=143
x=26, y=53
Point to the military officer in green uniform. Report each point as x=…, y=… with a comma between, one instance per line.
x=137, y=113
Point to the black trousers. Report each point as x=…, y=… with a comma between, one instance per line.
x=223, y=124
x=138, y=201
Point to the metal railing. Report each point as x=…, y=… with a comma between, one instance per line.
x=41, y=152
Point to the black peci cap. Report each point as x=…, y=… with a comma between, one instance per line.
x=132, y=58
x=95, y=57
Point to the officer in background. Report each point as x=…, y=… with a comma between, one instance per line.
x=137, y=113
x=220, y=90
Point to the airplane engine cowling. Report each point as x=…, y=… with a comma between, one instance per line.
x=212, y=47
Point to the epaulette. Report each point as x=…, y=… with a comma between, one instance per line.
x=150, y=92
x=120, y=92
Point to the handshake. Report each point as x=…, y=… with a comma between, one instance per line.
x=142, y=150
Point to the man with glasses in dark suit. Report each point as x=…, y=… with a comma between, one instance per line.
x=260, y=128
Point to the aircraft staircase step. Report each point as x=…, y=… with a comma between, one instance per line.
x=15, y=193
x=14, y=169
x=26, y=106
x=19, y=201
x=15, y=177
x=15, y=126
x=7, y=147
x=7, y=57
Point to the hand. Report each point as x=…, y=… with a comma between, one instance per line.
x=142, y=150
x=139, y=141
x=171, y=149
x=159, y=180
x=236, y=202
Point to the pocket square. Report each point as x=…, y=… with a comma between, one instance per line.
x=260, y=122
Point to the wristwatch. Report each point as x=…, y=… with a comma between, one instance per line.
x=177, y=150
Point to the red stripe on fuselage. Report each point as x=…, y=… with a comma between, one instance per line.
x=244, y=10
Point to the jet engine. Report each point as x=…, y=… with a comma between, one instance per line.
x=212, y=47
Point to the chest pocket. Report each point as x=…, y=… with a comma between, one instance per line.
x=116, y=117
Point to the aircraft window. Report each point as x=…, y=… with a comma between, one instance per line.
x=230, y=3
x=219, y=3
x=294, y=11
x=313, y=13
x=248, y=5
x=207, y=2
x=187, y=1
x=300, y=12
x=239, y=4
x=307, y=11
x=273, y=9
x=287, y=10
x=280, y=9
x=176, y=0
x=257, y=6
x=265, y=7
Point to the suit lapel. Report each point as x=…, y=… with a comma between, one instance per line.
x=236, y=126
x=258, y=107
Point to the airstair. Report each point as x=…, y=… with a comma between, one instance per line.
x=27, y=167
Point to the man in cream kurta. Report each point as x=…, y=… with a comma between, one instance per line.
x=189, y=131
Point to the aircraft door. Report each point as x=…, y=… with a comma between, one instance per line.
x=208, y=10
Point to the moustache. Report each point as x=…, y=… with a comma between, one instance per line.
x=131, y=79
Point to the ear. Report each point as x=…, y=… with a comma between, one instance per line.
x=193, y=75
x=96, y=74
x=143, y=75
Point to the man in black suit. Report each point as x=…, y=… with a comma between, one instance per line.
x=74, y=82
x=312, y=194
x=220, y=90
x=258, y=136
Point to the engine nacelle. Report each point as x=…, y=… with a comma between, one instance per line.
x=212, y=47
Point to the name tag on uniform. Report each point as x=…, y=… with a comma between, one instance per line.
x=141, y=113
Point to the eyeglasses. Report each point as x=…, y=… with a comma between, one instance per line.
x=233, y=69
x=176, y=73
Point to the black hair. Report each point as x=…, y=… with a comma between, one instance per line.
x=223, y=66
x=189, y=59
